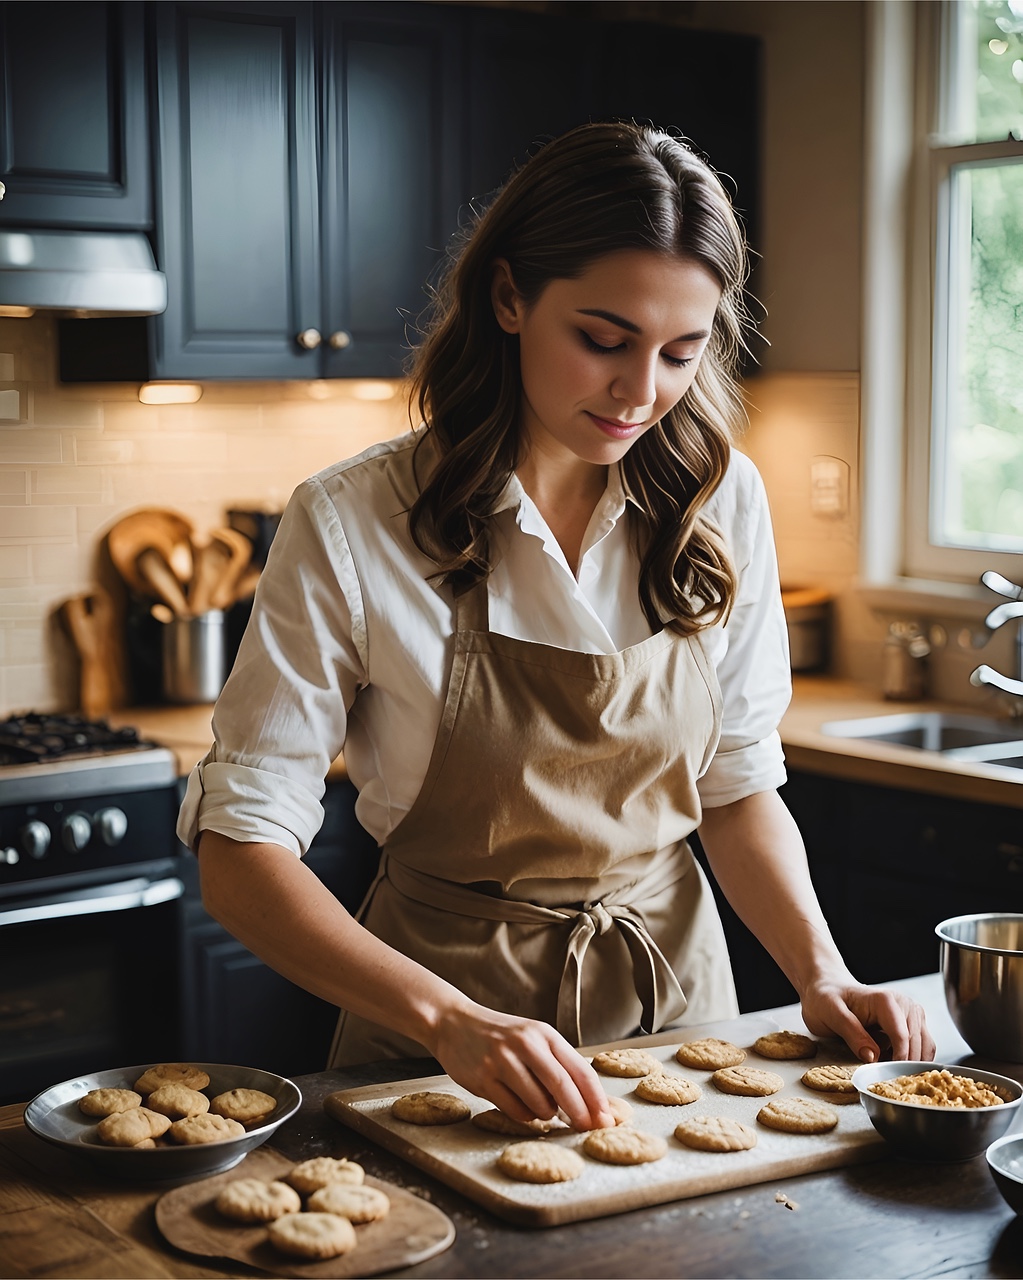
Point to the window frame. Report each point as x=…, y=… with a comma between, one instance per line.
x=940, y=73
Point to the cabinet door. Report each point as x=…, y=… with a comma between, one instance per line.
x=391, y=176
x=530, y=77
x=73, y=146
x=238, y=218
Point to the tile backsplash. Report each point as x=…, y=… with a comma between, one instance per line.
x=73, y=459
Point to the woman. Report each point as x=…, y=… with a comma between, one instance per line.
x=546, y=629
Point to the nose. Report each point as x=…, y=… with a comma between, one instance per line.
x=636, y=383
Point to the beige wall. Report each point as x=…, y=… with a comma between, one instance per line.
x=80, y=457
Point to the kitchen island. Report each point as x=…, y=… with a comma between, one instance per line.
x=884, y=1218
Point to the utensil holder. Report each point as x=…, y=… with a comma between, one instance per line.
x=194, y=653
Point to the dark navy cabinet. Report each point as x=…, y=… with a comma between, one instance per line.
x=74, y=149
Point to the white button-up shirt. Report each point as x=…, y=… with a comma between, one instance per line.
x=350, y=645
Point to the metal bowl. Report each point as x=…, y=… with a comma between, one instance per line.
x=54, y=1116
x=1005, y=1160
x=936, y=1133
x=982, y=968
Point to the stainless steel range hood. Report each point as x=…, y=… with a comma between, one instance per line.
x=82, y=273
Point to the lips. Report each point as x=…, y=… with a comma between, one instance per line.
x=617, y=430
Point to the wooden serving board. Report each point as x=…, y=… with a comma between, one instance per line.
x=464, y=1157
x=411, y=1232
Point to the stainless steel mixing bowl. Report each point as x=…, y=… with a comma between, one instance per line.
x=918, y=1132
x=1005, y=1160
x=982, y=967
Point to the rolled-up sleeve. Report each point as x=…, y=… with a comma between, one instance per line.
x=281, y=718
x=750, y=652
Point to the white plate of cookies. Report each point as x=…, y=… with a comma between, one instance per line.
x=168, y=1122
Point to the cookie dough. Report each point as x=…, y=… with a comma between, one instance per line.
x=325, y=1171
x=785, y=1044
x=253, y=1200
x=104, y=1102
x=668, y=1090
x=626, y=1062
x=715, y=1133
x=247, y=1106
x=178, y=1101
x=194, y=1130
x=357, y=1204
x=312, y=1235
x=709, y=1054
x=749, y=1082
x=797, y=1115
x=171, y=1073
x=835, y=1082
x=624, y=1145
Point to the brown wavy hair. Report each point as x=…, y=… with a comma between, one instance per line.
x=595, y=190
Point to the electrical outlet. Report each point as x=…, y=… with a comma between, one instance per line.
x=829, y=487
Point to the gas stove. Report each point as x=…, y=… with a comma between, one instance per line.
x=77, y=796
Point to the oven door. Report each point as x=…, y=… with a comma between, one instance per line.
x=89, y=979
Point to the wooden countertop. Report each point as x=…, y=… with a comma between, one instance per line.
x=815, y=700
x=886, y=1218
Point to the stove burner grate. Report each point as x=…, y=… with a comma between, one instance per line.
x=42, y=737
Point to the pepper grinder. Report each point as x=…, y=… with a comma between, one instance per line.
x=904, y=675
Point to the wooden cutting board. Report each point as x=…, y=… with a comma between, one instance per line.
x=464, y=1157
x=411, y=1232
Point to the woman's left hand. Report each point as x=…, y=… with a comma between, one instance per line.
x=850, y=1010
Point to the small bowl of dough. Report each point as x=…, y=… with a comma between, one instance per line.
x=1005, y=1160
x=926, y=1111
x=236, y=1110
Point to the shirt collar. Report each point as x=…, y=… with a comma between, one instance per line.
x=612, y=504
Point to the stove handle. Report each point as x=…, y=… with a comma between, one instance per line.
x=128, y=895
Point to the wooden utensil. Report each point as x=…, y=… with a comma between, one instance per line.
x=91, y=622
x=159, y=581
x=166, y=531
x=238, y=550
x=210, y=560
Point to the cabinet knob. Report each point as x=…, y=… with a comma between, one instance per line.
x=76, y=832
x=309, y=338
x=339, y=339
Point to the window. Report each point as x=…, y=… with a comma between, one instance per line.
x=964, y=500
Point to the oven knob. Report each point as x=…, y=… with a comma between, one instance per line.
x=10, y=855
x=35, y=839
x=76, y=832
x=112, y=824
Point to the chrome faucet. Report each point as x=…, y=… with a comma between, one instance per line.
x=1010, y=611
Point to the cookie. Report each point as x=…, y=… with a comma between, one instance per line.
x=253, y=1200
x=171, y=1073
x=247, y=1106
x=624, y=1145
x=835, y=1082
x=668, y=1090
x=194, y=1130
x=430, y=1108
x=312, y=1235
x=709, y=1054
x=797, y=1115
x=129, y=1128
x=357, y=1204
x=785, y=1044
x=626, y=1062
x=715, y=1133
x=495, y=1121
x=178, y=1101
x=540, y=1162
x=749, y=1082
x=325, y=1171
x=104, y=1102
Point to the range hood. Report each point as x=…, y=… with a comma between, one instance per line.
x=82, y=273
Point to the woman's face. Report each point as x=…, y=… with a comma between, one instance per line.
x=604, y=356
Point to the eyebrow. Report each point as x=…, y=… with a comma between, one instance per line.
x=628, y=325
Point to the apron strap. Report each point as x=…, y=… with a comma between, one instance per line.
x=660, y=995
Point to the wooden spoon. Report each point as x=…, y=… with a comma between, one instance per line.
x=238, y=550
x=160, y=581
x=211, y=560
x=167, y=531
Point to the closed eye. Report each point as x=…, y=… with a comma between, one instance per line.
x=591, y=344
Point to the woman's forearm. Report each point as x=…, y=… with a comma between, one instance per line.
x=757, y=856
x=271, y=901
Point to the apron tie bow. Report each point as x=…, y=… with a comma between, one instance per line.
x=660, y=995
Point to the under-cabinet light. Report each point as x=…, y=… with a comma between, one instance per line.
x=365, y=389
x=170, y=392
x=16, y=313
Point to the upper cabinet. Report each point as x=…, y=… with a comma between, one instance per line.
x=74, y=150
x=311, y=162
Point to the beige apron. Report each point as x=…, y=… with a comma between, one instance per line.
x=543, y=868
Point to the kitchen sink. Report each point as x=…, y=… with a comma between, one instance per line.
x=958, y=737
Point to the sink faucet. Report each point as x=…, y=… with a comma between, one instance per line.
x=1010, y=611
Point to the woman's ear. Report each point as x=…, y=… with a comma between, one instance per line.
x=505, y=298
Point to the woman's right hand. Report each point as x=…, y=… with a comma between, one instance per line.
x=525, y=1068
